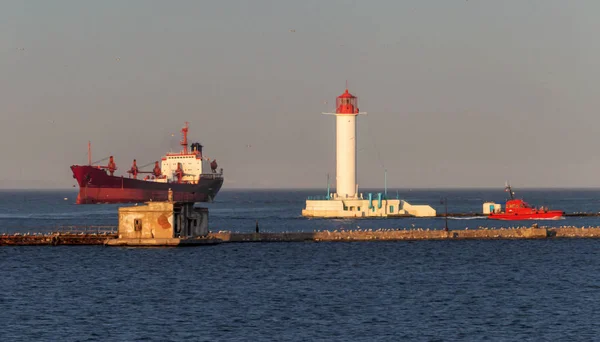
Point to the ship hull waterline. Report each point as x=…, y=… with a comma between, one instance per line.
x=550, y=215
x=96, y=186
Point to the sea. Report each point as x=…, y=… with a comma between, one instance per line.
x=352, y=291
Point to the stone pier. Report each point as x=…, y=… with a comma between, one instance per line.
x=520, y=233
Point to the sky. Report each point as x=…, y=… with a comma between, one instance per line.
x=459, y=94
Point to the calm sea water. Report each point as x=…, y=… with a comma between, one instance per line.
x=381, y=291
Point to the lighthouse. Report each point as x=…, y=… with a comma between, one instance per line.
x=347, y=202
x=345, y=144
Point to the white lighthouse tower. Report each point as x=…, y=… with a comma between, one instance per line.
x=347, y=201
x=346, y=112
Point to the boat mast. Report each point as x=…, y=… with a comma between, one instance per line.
x=509, y=189
x=89, y=153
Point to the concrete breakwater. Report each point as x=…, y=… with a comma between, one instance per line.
x=54, y=239
x=574, y=232
x=393, y=235
x=413, y=234
x=57, y=239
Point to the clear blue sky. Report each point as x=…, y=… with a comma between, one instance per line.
x=459, y=93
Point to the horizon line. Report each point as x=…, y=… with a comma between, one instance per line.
x=500, y=189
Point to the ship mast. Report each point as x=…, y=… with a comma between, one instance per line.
x=184, y=142
x=509, y=189
x=89, y=153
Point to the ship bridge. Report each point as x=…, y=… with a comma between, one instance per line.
x=187, y=166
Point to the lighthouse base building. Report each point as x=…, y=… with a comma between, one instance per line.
x=364, y=207
x=347, y=201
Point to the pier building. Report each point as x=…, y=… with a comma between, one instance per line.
x=166, y=223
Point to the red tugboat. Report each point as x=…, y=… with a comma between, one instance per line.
x=181, y=172
x=517, y=209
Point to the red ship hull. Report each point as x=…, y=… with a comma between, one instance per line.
x=548, y=215
x=96, y=186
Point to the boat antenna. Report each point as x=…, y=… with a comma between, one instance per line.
x=327, y=187
x=89, y=153
x=385, y=183
x=509, y=190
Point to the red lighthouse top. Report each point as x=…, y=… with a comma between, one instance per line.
x=346, y=104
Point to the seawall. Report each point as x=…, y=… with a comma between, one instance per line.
x=54, y=239
x=391, y=235
x=57, y=239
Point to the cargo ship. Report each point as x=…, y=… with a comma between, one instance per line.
x=518, y=209
x=182, y=172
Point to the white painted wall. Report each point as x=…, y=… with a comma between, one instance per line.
x=346, y=155
x=192, y=167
